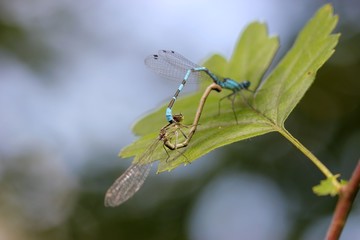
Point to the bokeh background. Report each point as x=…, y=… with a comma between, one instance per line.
x=73, y=82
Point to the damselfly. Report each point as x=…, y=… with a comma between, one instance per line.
x=134, y=177
x=172, y=65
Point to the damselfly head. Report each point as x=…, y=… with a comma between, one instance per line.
x=178, y=117
x=246, y=84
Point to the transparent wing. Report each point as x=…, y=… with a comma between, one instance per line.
x=177, y=59
x=134, y=177
x=172, y=65
x=127, y=184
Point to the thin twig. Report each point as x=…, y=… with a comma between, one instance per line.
x=344, y=204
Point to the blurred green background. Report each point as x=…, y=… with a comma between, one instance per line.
x=73, y=82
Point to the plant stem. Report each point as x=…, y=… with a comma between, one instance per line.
x=343, y=206
x=309, y=154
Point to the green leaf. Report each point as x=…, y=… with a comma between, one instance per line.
x=252, y=55
x=327, y=186
x=293, y=76
x=217, y=64
x=212, y=124
x=259, y=113
x=251, y=58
